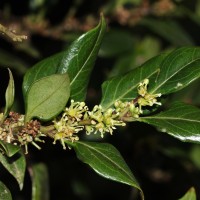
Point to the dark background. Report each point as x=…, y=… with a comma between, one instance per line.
x=137, y=30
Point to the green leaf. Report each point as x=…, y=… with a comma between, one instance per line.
x=169, y=30
x=178, y=69
x=190, y=195
x=9, y=149
x=47, y=97
x=77, y=61
x=106, y=160
x=4, y=192
x=137, y=56
x=40, y=182
x=181, y=121
x=116, y=42
x=42, y=69
x=10, y=94
x=16, y=165
x=124, y=87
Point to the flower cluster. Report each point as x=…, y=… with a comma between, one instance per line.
x=14, y=131
x=146, y=99
x=68, y=125
x=102, y=121
x=78, y=117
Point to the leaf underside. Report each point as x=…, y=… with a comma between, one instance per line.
x=47, y=97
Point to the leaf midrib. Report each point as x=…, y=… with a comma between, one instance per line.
x=103, y=155
x=88, y=57
x=127, y=91
x=47, y=97
x=173, y=118
x=165, y=80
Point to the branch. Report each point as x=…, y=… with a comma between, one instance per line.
x=11, y=34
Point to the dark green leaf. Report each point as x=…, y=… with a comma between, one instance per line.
x=16, y=165
x=181, y=121
x=177, y=70
x=9, y=149
x=189, y=94
x=40, y=182
x=125, y=87
x=194, y=155
x=42, y=69
x=77, y=61
x=116, y=42
x=137, y=56
x=106, y=160
x=169, y=30
x=10, y=94
x=4, y=192
x=83, y=55
x=47, y=97
x=190, y=195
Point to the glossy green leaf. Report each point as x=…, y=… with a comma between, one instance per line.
x=189, y=94
x=10, y=94
x=181, y=121
x=190, y=195
x=106, y=160
x=77, y=61
x=47, y=97
x=124, y=87
x=178, y=69
x=15, y=165
x=40, y=182
x=4, y=192
x=42, y=69
x=9, y=149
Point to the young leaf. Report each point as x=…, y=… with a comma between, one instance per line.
x=9, y=149
x=16, y=165
x=4, y=192
x=125, y=87
x=77, y=61
x=190, y=195
x=47, y=97
x=10, y=93
x=106, y=160
x=177, y=70
x=40, y=183
x=181, y=121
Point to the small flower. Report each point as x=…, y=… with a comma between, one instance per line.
x=96, y=113
x=103, y=121
x=146, y=99
x=89, y=129
x=76, y=110
x=68, y=126
x=135, y=111
x=119, y=106
x=142, y=87
x=30, y=133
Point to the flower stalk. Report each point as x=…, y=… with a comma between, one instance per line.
x=76, y=118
